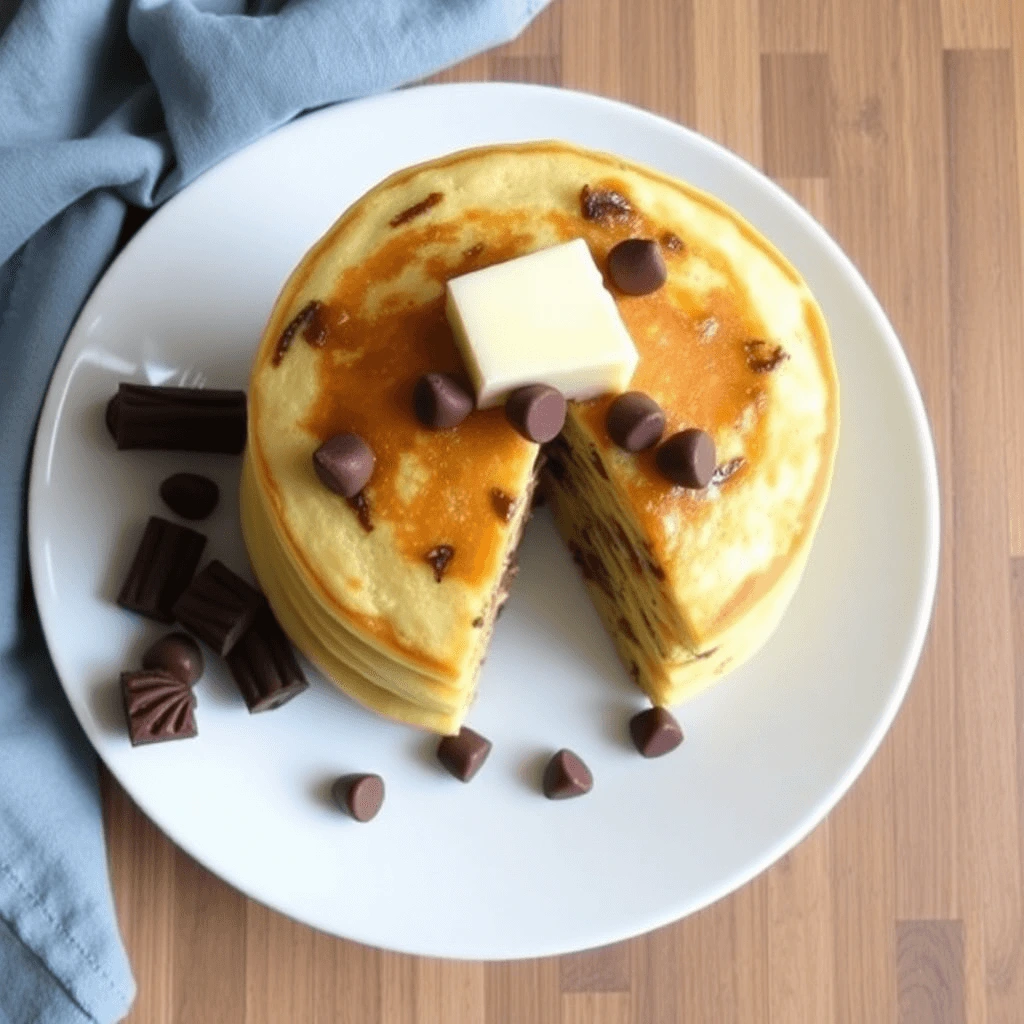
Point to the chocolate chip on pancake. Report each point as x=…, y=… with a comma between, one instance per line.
x=344, y=464
x=688, y=458
x=672, y=242
x=655, y=732
x=360, y=504
x=727, y=470
x=360, y=795
x=763, y=357
x=637, y=266
x=166, y=558
x=440, y=401
x=438, y=559
x=635, y=421
x=158, y=707
x=190, y=495
x=177, y=654
x=463, y=754
x=566, y=776
x=218, y=606
x=604, y=204
x=537, y=411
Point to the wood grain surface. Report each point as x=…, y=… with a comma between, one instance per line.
x=898, y=124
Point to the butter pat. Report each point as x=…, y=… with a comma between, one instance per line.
x=545, y=318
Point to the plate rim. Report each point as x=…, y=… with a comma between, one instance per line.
x=62, y=376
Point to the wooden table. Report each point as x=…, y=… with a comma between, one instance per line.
x=894, y=122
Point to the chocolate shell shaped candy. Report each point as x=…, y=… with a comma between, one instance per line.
x=158, y=707
x=218, y=606
x=166, y=558
x=264, y=666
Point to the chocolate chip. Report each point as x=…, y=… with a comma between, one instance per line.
x=635, y=421
x=478, y=622
x=463, y=754
x=360, y=795
x=309, y=320
x=763, y=357
x=158, y=707
x=438, y=559
x=604, y=204
x=637, y=266
x=566, y=776
x=726, y=470
x=161, y=570
x=344, y=464
x=504, y=505
x=360, y=504
x=440, y=401
x=537, y=411
x=655, y=732
x=688, y=458
x=190, y=495
x=177, y=654
x=178, y=419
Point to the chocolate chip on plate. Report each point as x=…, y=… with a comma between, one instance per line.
x=637, y=266
x=566, y=776
x=655, y=732
x=190, y=495
x=360, y=795
x=440, y=401
x=158, y=707
x=177, y=654
x=463, y=754
x=688, y=458
x=635, y=421
x=344, y=464
x=537, y=411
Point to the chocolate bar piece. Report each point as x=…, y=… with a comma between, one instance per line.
x=177, y=419
x=264, y=666
x=218, y=607
x=163, y=566
x=158, y=707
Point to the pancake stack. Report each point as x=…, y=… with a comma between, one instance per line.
x=394, y=592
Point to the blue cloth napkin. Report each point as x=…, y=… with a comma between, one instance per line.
x=105, y=103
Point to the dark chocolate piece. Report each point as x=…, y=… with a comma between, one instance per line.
x=178, y=655
x=463, y=754
x=566, y=776
x=177, y=419
x=344, y=464
x=726, y=470
x=161, y=570
x=604, y=204
x=438, y=559
x=537, y=411
x=440, y=401
x=635, y=421
x=190, y=495
x=504, y=505
x=218, y=607
x=688, y=458
x=636, y=266
x=360, y=795
x=416, y=209
x=264, y=666
x=360, y=504
x=763, y=357
x=672, y=242
x=158, y=707
x=655, y=732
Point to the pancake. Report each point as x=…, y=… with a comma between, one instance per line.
x=689, y=583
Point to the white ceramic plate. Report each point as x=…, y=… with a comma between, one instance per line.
x=489, y=870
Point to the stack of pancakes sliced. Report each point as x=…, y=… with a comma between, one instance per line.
x=394, y=594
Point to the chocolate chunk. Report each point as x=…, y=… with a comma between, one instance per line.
x=627, y=546
x=636, y=266
x=763, y=357
x=635, y=421
x=537, y=411
x=310, y=320
x=440, y=401
x=360, y=795
x=627, y=630
x=726, y=470
x=688, y=458
x=360, y=504
x=416, y=209
x=478, y=622
x=604, y=204
x=218, y=607
x=158, y=707
x=672, y=242
x=190, y=495
x=438, y=559
x=178, y=655
x=161, y=570
x=566, y=776
x=177, y=419
x=504, y=505
x=655, y=732
x=264, y=666
x=344, y=464
x=464, y=754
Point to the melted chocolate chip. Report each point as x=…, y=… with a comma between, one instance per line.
x=440, y=401
x=310, y=321
x=360, y=504
x=636, y=266
x=416, y=209
x=635, y=421
x=439, y=558
x=672, y=242
x=604, y=204
x=478, y=622
x=688, y=458
x=763, y=357
x=344, y=464
x=627, y=630
x=504, y=505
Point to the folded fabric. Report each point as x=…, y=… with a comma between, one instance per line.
x=105, y=104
